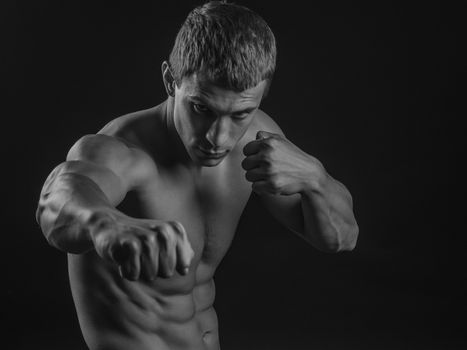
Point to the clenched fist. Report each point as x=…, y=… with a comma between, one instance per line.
x=274, y=165
x=143, y=248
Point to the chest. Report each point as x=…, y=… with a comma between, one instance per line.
x=208, y=204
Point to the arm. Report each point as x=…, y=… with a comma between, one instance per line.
x=333, y=222
x=299, y=193
x=83, y=191
x=77, y=211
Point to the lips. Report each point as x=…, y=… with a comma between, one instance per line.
x=212, y=154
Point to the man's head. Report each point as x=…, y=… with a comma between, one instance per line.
x=220, y=68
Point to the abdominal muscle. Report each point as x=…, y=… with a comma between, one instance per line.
x=165, y=314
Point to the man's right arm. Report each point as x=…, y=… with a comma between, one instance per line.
x=77, y=211
x=80, y=195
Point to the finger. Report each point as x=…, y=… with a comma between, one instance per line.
x=255, y=174
x=184, y=250
x=251, y=162
x=167, y=254
x=127, y=255
x=149, y=257
x=119, y=251
x=185, y=255
x=252, y=147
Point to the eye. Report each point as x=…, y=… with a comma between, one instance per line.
x=199, y=108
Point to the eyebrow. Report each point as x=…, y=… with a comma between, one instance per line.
x=201, y=99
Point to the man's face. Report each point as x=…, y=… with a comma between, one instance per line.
x=210, y=120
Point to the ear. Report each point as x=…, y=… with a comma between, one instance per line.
x=169, y=80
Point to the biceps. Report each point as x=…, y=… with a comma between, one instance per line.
x=109, y=183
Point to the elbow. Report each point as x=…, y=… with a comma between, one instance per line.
x=45, y=226
x=41, y=221
x=348, y=240
x=344, y=241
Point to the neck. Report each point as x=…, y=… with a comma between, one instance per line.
x=178, y=150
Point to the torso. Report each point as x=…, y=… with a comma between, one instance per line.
x=174, y=313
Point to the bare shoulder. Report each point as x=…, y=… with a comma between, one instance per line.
x=263, y=122
x=100, y=149
x=132, y=128
x=118, y=148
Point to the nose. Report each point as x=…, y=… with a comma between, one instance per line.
x=218, y=132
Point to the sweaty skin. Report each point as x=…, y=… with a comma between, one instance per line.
x=166, y=313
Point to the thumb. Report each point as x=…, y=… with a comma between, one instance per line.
x=263, y=135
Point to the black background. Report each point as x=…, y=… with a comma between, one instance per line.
x=368, y=88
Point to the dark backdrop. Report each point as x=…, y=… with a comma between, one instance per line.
x=367, y=88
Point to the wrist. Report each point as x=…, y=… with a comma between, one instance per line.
x=316, y=180
x=99, y=220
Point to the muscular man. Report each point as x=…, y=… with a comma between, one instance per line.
x=148, y=206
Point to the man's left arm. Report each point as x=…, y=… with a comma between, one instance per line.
x=295, y=187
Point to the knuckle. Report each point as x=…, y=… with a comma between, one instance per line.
x=265, y=145
x=275, y=183
x=163, y=229
x=173, y=225
x=178, y=228
x=269, y=142
x=266, y=153
x=273, y=179
x=133, y=244
x=153, y=226
x=102, y=241
x=268, y=167
x=168, y=235
x=150, y=239
x=121, y=241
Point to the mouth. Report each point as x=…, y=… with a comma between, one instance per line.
x=211, y=154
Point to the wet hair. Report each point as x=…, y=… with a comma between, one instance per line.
x=232, y=45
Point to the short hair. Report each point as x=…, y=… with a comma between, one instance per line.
x=229, y=43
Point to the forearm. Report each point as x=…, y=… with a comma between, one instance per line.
x=329, y=222
x=70, y=206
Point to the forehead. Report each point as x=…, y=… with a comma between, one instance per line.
x=198, y=86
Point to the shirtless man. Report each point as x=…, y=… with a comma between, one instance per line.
x=147, y=207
